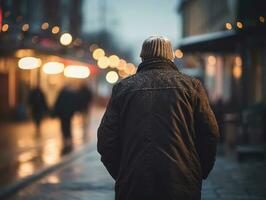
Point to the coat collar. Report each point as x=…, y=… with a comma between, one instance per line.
x=157, y=63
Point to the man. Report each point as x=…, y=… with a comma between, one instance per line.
x=158, y=135
x=64, y=108
x=38, y=106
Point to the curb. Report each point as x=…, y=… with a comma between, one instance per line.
x=67, y=159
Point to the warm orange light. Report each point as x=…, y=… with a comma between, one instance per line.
x=53, y=68
x=112, y=77
x=98, y=53
x=66, y=39
x=55, y=29
x=114, y=61
x=25, y=169
x=130, y=69
x=122, y=64
x=210, y=70
x=237, y=71
x=5, y=27
x=122, y=73
x=25, y=27
x=29, y=63
x=211, y=60
x=262, y=19
x=179, y=53
x=238, y=60
x=45, y=26
x=239, y=25
x=103, y=62
x=77, y=71
x=228, y=26
x=24, y=53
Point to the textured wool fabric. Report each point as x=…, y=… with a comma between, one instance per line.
x=157, y=47
x=158, y=136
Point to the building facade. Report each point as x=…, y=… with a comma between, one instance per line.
x=226, y=40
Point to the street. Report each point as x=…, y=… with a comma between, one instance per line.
x=23, y=152
x=86, y=178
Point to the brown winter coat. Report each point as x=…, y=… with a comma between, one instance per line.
x=158, y=135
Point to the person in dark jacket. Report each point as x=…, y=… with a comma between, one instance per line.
x=38, y=105
x=84, y=103
x=65, y=107
x=158, y=136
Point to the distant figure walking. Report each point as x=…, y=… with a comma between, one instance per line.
x=64, y=108
x=84, y=102
x=38, y=105
x=158, y=136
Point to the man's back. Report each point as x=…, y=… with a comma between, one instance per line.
x=152, y=135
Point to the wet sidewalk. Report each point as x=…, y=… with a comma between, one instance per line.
x=24, y=152
x=86, y=178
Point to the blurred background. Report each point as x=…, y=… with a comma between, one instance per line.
x=60, y=58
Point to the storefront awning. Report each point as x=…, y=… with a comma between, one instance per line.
x=224, y=41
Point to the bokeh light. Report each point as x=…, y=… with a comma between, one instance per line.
x=98, y=53
x=237, y=71
x=66, y=39
x=29, y=63
x=103, y=62
x=114, y=61
x=112, y=77
x=130, y=69
x=45, y=26
x=179, y=53
x=77, y=71
x=122, y=64
x=53, y=67
x=5, y=27
x=228, y=26
x=25, y=27
x=24, y=53
x=262, y=19
x=211, y=60
x=55, y=29
x=239, y=25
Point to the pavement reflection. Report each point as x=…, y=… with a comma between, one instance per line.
x=23, y=151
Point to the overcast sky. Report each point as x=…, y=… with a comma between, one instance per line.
x=131, y=21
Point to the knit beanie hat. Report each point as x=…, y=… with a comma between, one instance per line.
x=157, y=47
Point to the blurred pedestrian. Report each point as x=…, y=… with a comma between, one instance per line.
x=64, y=108
x=84, y=103
x=38, y=105
x=158, y=136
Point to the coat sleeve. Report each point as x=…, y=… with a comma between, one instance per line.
x=108, y=137
x=207, y=132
